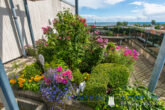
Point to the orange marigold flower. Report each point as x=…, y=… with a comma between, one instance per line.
x=85, y=77
x=30, y=81
x=22, y=75
x=20, y=85
x=12, y=81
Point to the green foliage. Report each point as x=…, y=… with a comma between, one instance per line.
x=96, y=86
x=30, y=51
x=72, y=36
x=117, y=74
x=32, y=70
x=110, y=33
x=105, y=28
x=117, y=56
x=55, y=63
x=157, y=27
x=102, y=76
x=129, y=98
x=78, y=76
x=33, y=86
x=153, y=22
x=48, y=52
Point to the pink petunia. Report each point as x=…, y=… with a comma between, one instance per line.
x=59, y=69
x=93, y=26
x=59, y=37
x=59, y=79
x=70, y=77
x=64, y=81
x=81, y=19
x=46, y=44
x=68, y=72
x=117, y=48
x=64, y=74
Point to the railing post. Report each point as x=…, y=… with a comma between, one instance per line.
x=29, y=22
x=7, y=90
x=76, y=6
x=18, y=28
x=159, y=64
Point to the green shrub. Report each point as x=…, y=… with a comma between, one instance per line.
x=110, y=33
x=129, y=98
x=96, y=86
x=118, y=74
x=55, y=63
x=78, y=76
x=32, y=70
x=48, y=52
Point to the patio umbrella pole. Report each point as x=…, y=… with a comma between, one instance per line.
x=17, y=26
x=6, y=94
x=29, y=22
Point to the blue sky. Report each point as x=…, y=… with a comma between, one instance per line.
x=122, y=10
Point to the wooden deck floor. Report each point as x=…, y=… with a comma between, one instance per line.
x=142, y=74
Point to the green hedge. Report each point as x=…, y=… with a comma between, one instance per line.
x=102, y=76
x=117, y=74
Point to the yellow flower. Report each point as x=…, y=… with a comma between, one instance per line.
x=32, y=77
x=20, y=85
x=37, y=79
x=30, y=81
x=85, y=77
x=37, y=76
x=22, y=75
x=12, y=81
x=21, y=80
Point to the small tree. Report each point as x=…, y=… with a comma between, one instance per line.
x=125, y=23
x=119, y=23
x=153, y=22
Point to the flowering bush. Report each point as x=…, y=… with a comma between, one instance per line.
x=120, y=55
x=94, y=53
x=72, y=35
x=56, y=86
x=47, y=30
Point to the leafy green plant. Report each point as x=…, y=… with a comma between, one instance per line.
x=110, y=33
x=56, y=63
x=32, y=70
x=72, y=35
x=78, y=76
x=30, y=51
x=129, y=98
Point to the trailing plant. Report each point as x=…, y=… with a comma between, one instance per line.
x=56, y=87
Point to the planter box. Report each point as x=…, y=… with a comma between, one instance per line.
x=28, y=104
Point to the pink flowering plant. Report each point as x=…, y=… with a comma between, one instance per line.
x=56, y=85
x=72, y=34
x=121, y=55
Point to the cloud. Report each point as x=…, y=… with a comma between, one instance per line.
x=92, y=18
x=137, y=3
x=113, y=2
x=149, y=9
x=95, y=4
